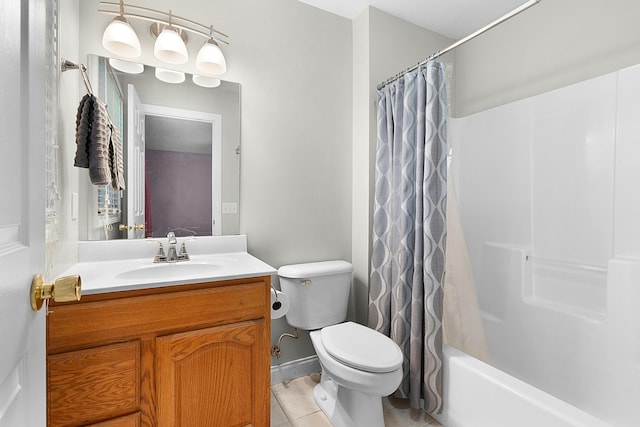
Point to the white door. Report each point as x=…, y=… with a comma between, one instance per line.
x=216, y=152
x=135, y=165
x=22, y=197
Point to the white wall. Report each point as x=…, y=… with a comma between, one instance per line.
x=64, y=254
x=551, y=45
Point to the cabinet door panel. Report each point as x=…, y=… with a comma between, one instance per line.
x=94, y=384
x=213, y=377
x=132, y=420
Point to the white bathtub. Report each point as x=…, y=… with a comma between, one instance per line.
x=479, y=395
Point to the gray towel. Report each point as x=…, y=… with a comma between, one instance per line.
x=94, y=139
x=116, y=163
x=83, y=129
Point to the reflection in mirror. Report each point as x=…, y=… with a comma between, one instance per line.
x=177, y=198
x=181, y=148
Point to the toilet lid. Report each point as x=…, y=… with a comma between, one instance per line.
x=361, y=347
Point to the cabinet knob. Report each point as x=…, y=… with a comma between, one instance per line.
x=64, y=289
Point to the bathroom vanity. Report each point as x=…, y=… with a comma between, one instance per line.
x=163, y=352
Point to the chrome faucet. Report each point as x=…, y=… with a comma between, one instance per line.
x=182, y=253
x=160, y=256
x=172, y=254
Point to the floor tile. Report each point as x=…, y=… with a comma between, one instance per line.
x=292, y=405
x=295, y=396
x=278, y=417
x=317, y=419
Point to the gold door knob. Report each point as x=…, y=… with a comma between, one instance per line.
x=63, y=289
x=123, y=227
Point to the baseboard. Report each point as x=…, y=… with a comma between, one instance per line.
x=294, y=369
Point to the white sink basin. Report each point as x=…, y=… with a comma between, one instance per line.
x=125, y=265
x=169, y=270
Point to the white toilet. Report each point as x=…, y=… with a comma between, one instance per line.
x=359, y=364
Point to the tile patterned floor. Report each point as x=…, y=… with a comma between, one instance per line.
x=292, y=405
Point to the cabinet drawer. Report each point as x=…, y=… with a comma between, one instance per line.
x=96, y=384
x=84, y=324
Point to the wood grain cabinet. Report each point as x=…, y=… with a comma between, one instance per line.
x=189, y=355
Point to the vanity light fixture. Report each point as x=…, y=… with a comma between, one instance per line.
x=206, y=81
x=169, y=76
x=210, y=59
x=120, y=39
x=170, y=46
x=126, y=66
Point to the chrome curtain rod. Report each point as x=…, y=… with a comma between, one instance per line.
x=486, y=28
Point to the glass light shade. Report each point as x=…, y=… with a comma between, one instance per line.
x=205, y=81
x=169, y=76
x=210, y=59
x=120, y=39
x=170, y=47
x=126, y=66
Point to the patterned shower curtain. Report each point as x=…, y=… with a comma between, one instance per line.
x=409, y=228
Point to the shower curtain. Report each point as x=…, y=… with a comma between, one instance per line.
x=409, y=228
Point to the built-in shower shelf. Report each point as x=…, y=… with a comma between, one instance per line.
x=571, y=287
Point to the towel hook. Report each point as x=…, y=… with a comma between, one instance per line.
x=67, y=65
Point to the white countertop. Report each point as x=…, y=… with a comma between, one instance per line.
x=127, y=265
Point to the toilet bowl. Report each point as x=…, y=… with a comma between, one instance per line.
x=359, y=365
x=352, y=395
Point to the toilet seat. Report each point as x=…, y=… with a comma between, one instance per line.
x=361, y=348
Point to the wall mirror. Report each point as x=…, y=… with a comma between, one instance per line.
x=181, y=149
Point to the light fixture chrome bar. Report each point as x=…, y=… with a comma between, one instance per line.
x=471, y=36
x=159, y=12
x=122, y=12
x=162, y=21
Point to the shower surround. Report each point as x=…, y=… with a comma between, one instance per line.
x=550, y=206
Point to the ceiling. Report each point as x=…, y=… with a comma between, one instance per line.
x=452, y=18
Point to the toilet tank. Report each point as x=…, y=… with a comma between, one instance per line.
x=318, y=293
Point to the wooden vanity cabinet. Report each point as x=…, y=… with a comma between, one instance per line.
x=188, y=355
